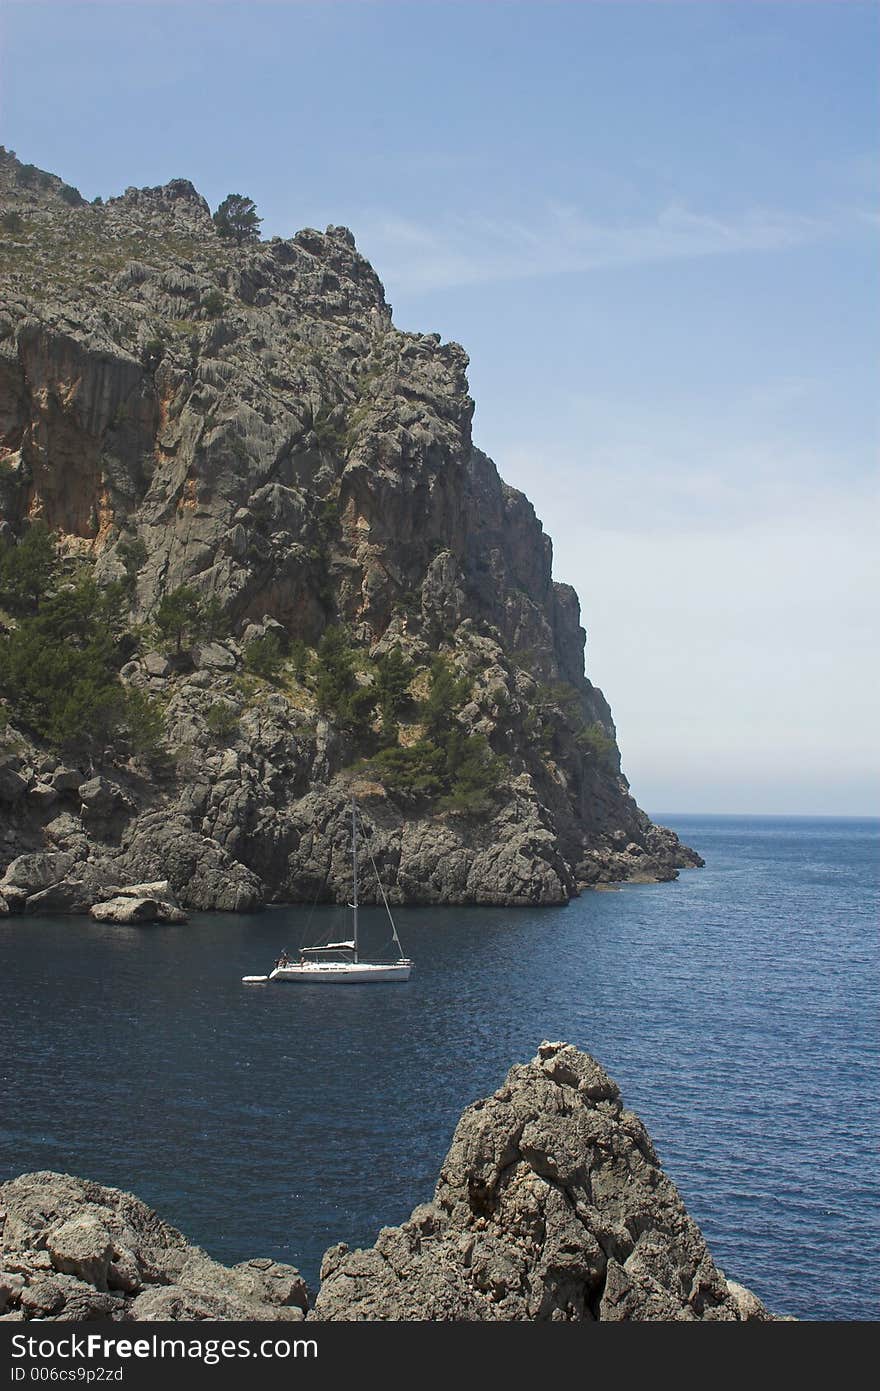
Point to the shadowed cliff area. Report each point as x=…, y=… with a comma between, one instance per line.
x=276, y=572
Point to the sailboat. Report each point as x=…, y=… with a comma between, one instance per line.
x=339, y=962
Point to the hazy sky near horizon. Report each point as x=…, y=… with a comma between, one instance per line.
x=654, y=227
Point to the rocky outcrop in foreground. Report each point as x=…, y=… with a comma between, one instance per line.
x=74, y=1250
x=551, y=1204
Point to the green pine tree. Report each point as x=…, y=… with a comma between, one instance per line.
x=236, y=218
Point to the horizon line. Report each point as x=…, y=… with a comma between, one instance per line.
x=774, y=815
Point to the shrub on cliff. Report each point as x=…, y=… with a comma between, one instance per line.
x=213, y=304
x=144, y=724
x=448, y=763
x=184, y=616
x=214, y=620
x=152, y=353
x=460, y=774
x=133, y=554
x=415, y=772
x=29, y=176
x=446, y=694
x=558, y=712
x=28, y=570
x=473, y=772
x=236, y=218
x=88, y=711
x=180, y=615
x=338, y=692
x=222, y=721
x=593, y=739
x=299, y=659
x=393, y=675
x=59, y=672
x=264, y=657
x=334, y=669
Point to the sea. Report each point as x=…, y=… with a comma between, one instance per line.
x=737, y=1009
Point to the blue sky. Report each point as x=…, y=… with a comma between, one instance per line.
x=654, y=228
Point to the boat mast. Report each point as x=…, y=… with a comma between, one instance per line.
x=354, y=861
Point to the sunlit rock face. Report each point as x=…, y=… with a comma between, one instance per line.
x=251, y=419
x=551, y=1204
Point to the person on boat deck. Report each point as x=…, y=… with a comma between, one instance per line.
x=283, y=960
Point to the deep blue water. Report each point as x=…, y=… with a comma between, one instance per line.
x=737, y=1008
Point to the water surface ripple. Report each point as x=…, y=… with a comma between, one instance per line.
x=736, y=1008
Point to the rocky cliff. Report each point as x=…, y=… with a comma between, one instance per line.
x=551, y=1204
x=245, y=424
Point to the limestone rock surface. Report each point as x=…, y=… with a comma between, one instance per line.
x=551, y=1205
x=72, y=1250
x=249, y=423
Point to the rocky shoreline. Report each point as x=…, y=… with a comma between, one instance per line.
x=72, y=845
x=551, y=1205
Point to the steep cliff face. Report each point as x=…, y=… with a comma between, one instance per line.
x=250, y=418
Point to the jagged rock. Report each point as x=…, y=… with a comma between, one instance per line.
x=202, y=874
x=41, y=796
x=551, y=1204
x=273, y=1282
x=267, y=625
x=749, y=1305
x=71, y=1249
x=66, y=779
x=11, y=1286
x=12, y=785
x=67, y=1300
x=105, y=807
x=213, y=656
x=159, y=889
x=174, y=1302
x=33, y=872
x=155, y=664
x=155, y=902
x=67, y=833
x=67, y=896
x=82, y=1246
x=4, y=907
x=253, y=418
x=87, y=882
x=170, y=913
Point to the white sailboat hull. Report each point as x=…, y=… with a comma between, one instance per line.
x=311, y=969
x=343, y=972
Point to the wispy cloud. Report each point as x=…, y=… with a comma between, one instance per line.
x=702, y=471
x=415, y=256
x=728, y=570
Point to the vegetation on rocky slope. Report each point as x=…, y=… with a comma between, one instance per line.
x=61, y=654
x=282, y=565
